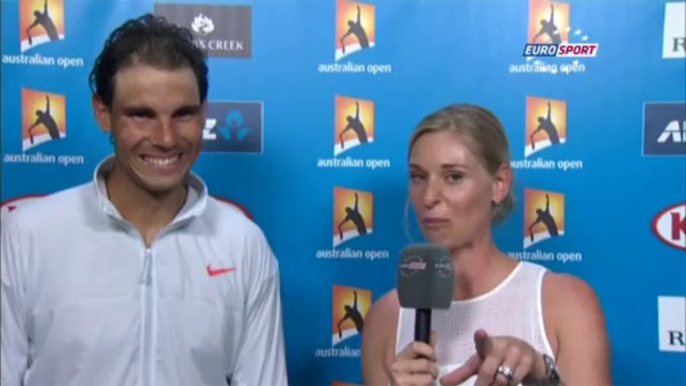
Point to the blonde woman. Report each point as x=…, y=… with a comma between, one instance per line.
x=511, y=322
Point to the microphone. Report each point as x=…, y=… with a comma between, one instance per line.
x=425, y=283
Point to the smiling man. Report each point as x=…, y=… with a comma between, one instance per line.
x=140, y=277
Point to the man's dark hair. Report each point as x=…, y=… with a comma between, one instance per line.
x=150, y=40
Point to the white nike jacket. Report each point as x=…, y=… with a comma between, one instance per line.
x=84, y=303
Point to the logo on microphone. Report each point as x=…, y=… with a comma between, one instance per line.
x=413, y=265
x=544, y=216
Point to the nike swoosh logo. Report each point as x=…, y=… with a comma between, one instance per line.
x=217, y=272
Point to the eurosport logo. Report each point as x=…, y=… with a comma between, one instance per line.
x=544, y=222
x=669, y=226
x=551, y=38
x=354, y=34
x=41, y=23
x=567, y=50
x=546, y=129
x=352, y=225
x=43, y=129
x=349, y=308
x=234, y=127
x=354, y=129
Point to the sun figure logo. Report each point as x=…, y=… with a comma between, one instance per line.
x=548, y=22
x=546, y=124
x=40, y=22
x=43, y=117
x=350, y=307
x=355, y=27
x=353, y=123
x=353, y=214
x=544, y=216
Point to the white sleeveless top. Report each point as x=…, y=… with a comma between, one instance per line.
x=513, y=308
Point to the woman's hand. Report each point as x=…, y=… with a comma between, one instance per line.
x=416, y=365
x=519, y=361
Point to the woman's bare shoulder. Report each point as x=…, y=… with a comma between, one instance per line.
x=571, y=306
x=383, y=314
x=378, y=338
x=573, y=311
x=561, y=290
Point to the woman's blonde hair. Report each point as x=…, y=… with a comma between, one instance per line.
x=484, y=136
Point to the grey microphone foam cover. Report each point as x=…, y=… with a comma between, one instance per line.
x=425, y=277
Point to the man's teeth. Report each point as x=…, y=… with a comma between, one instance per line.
x=161, y=161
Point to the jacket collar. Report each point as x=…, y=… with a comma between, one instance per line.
x=195, y=205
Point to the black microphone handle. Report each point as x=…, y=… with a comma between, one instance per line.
x=422, y=325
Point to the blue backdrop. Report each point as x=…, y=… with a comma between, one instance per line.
x=281, y=93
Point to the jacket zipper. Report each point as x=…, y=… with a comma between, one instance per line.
x=147, y=311
x=148, y=302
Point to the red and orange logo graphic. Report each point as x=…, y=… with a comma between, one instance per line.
x=353, y=214
x=350, y=307
x=548, y=22
x=544, y=216
x=353, y=123
x=546, y=124
x=355, y=27
x=43, y=117
x=40, y=22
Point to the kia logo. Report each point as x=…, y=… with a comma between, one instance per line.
x=670, y=226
